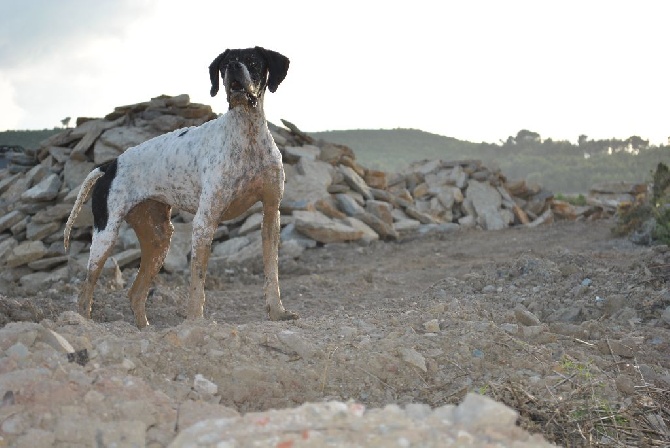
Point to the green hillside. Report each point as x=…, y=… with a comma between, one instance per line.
x=26, y=139
x=558, y=165
x=394, y=149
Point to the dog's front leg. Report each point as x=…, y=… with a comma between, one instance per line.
x=203, y=232
x=270, y=235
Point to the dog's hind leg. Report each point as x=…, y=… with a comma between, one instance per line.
x=101, y=247
x=151, y=222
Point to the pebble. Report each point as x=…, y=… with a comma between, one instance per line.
x=411, y=356
x=525, y=317
x=510, y=328
x=665, y=316
x=203, y=385
x=432, y=326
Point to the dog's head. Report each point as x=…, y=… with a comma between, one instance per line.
x=246, y=73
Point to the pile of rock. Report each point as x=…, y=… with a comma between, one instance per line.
x=328, y=198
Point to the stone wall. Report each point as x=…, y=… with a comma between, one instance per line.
x=329, y=197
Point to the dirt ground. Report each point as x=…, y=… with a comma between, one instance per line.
x=564, y=323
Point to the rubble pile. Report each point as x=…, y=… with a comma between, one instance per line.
x=328, y=198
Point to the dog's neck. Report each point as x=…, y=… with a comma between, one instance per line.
x=251, y=118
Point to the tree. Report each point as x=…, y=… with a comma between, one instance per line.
x=65, y=122
x=525, y=135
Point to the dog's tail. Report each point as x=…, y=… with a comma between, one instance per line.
x=84, y=193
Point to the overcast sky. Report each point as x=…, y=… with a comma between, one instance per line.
x=475, y=70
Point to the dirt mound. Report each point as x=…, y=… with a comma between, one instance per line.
x=565, y=324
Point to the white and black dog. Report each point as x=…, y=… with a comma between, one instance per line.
x=215, y=171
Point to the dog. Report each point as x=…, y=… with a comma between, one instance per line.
x=215, y=171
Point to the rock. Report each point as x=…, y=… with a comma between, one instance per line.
x=665, y=316
x=351, y=424
x=75, y=171
x=56, y=213
x=319, y=227
x=48, y=263
x=191, y=412
x=37, y=280
x=10, y=219
x=423, y=218
x=328, y=207
x=432, y=326
x=349, y=205
x=458, y=177
x=381, y=210
x=230, y=247
x=204, y=386
x=420, y=191
x=406, y=225
x=376, y=179
x=297, y=344
x=26, y=252
x=127, y=256
x=486, y=201
x=382, y=229
x=291, y=249
x=46, y=190
x=251, y=251
x=114, y=141
x=36, y=174
x=6, y=183
x=356, y=182
x=332, y=153
x=478, y=412
x=35, y=231
x=251, y=224
x=180, y=246
x=302, y=191
x=91, y=131
x=428, y=167
x=369, y=233
x=293, y=154
x=525, y=317
x=289, y=233
x=411, y=356
x=6, y=247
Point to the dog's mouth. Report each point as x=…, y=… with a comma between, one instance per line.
x=236, y=86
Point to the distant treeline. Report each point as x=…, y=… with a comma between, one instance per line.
x=556, y=164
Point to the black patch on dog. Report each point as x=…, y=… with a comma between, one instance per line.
x=101, y=193
x=183, y=133
x=266, y=67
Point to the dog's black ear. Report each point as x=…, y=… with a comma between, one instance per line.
x=277, y=66
x=214, y=72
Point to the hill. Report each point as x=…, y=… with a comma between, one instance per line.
x=28, y=139
x=394, y=149
x=556, y=164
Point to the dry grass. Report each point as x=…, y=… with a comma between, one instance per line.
x=575, y=412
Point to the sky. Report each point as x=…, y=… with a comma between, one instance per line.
x=477, y=70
